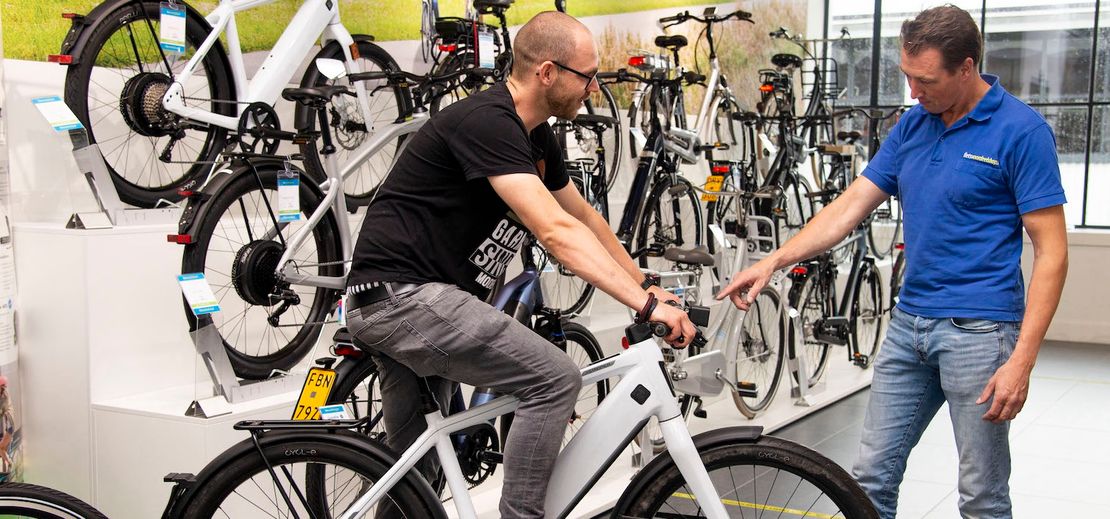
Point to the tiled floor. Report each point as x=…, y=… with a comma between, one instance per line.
x=1060, y=442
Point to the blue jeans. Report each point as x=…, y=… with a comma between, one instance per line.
x=922, y=364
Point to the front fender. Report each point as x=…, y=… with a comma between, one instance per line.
x=82, y=27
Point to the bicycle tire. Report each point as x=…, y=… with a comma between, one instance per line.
x=602, y=102
x=427, y=30
x=358, y=391
x=140, y=177
x=784, y=478
x=729, y=132
x=665, y=213
x=897, y=277
x=759, y=358
x=867, y=315
x=811, y=301
x=350, y=133
x=797, y=207
x=225, y=483
x=239, y=264
x=38, y=502
x=585, y=351
x=883, y=239
x=454, y=63
x=563, y=290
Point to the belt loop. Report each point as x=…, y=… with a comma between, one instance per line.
x=389, y=290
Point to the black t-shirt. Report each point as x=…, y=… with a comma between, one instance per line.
x=437, y=219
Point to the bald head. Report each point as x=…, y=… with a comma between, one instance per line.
x=548, y=36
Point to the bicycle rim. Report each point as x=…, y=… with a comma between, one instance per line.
x=759, y=352
x=884, y=229
x=811, y=303
x=771, y=477
x=867, y=316
x=237, y=248
x=115, y=90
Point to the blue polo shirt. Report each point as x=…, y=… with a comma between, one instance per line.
x=963, y=190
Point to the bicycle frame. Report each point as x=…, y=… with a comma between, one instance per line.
x=592, y=450
x=336, y=202
x=313, y=19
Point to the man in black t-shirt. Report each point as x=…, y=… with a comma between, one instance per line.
x=449, y=218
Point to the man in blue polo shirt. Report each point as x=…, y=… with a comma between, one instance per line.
x=972, y=165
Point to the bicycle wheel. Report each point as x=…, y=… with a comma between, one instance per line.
x=427, y=28
x=582, y=348
x=603, y=103
x=26, y=500
x=758, y=351
x=309, y=478
x=884, y=229
x=796, y=208
x=116, y=86
x=866, y=316
x=811, y=301
x=357, y=390
x=730, y=133
x=768, y=475
x=351, y=134
x=562, y=289
x=265, y=324
x=671, y=218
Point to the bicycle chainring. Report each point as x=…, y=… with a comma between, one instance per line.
x=480, y=439
x=258, y=115
x=141, y=104
x=254, y=272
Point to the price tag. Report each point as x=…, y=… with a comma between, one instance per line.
x=486, y=50
x=172, y=23
x=289, y=194
x=334, y=412
x=341, y=310
x=57, y=113
x=198, y=293
x=713, y=183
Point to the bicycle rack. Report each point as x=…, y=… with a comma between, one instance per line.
x=802, y=392
x=113, y=212
x=227, y=387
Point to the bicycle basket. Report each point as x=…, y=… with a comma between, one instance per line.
x=821, y=74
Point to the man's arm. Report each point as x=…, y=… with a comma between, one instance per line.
x=577, y=248
x=1010, y=384
x=826, y=229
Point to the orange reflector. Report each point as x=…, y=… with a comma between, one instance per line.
x=766, y=87
x=636, y=61
x=354, y=50
x=70, y=16
x=799, y=270
x=63, y=59
x=180, y=239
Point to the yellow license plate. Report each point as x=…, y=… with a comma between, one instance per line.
x=713, y=183
x=317, y=386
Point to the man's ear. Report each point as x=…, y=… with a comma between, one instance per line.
x=547, y=73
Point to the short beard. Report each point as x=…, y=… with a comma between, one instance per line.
x=566, y=108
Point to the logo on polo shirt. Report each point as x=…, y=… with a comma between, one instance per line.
x=980, y=158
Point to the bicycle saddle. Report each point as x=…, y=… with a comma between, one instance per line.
x=698, y=255
x=489, y=5
x=851, y=136
x=675, y=42
x=786, y=60
x=594, y=121
x=745, y=117
x=313, y=96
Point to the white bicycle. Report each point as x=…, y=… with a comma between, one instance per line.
x=161, y=118
x=321, y=469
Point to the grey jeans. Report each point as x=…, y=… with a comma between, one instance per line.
x=441, y=330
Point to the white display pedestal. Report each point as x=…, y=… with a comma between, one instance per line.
x=111, y=368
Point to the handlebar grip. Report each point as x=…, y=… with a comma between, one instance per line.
x=742, y=15
x=369, y=76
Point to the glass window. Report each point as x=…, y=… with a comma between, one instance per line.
x=853, y=52
x=1069, y=124
x=1102, y=65
x=1098, y=178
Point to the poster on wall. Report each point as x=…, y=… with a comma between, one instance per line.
x=11, y=459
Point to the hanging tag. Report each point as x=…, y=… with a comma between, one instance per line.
x=486, y=50
x=341, y=310
x=172, y=22
x=289, y=190
x=198, y=293
x=57, y=113
x=334, y=412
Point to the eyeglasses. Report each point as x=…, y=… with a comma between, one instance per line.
x=589, y=78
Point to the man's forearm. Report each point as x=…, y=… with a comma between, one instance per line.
x=1050, y=269
x=600, y=228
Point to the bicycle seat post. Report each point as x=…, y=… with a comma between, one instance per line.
x=325, y=130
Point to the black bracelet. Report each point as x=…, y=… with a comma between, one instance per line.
x=649, y=307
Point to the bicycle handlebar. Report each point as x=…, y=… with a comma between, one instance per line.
x=685, y=16
x=400, y=76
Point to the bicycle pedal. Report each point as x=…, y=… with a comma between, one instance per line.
x=747, y=389
x=492, y=457
x=699, y=410
x=860, y=360
x=700, y=413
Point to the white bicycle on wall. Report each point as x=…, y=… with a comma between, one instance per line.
x=161, y=118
